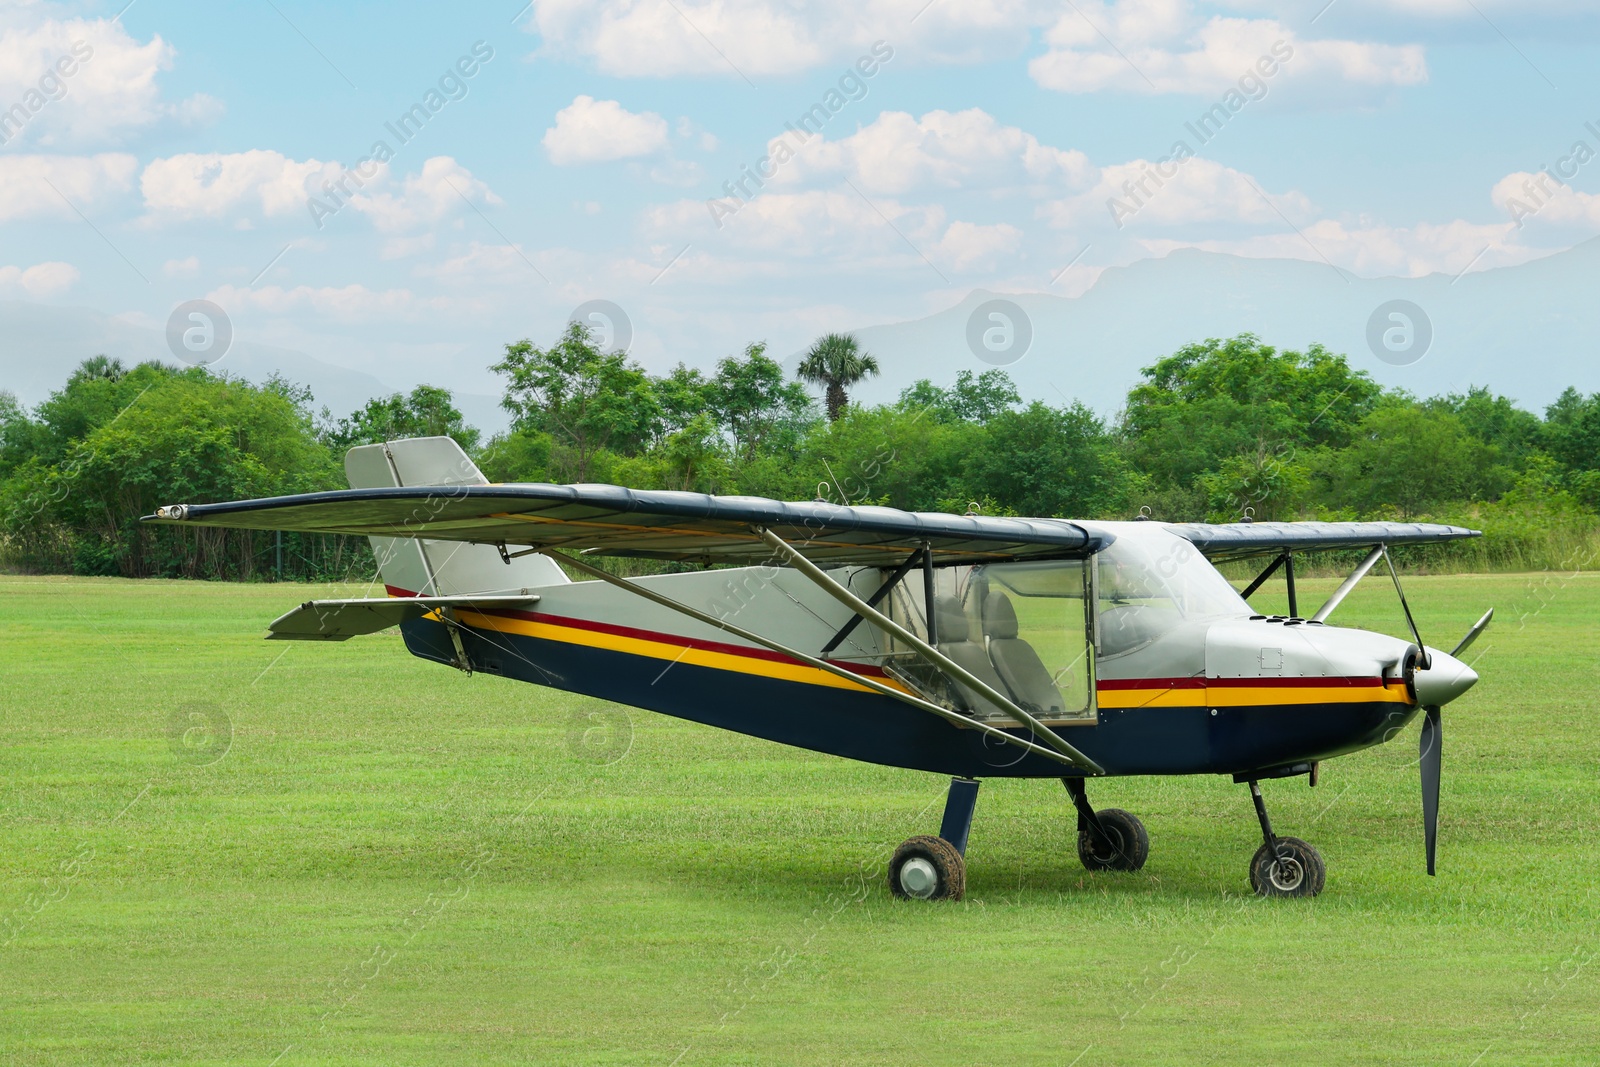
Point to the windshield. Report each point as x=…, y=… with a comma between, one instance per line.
x=1150, y=582
x=1148, y=566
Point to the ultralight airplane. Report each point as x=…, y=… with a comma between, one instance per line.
x=963, y=645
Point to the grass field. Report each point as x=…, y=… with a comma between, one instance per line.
x=387, y=862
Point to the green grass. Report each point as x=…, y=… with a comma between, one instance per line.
x=397, y=864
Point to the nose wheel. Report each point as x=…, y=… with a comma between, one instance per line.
x=1283, y=866
x=1291, y=869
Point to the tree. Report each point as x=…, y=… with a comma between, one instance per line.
x=1046, y=461
x=182, y=436
x=836, y=363
x=1212, y=401
x=587, y=400
x=879, y=455
x=1494, y=420
x=95, y=367
x=971, y=399
x=693, y=453
x=1409, y=458
x=682, y=395
x=754, y=404
x=1572, y=430
x=427, y=411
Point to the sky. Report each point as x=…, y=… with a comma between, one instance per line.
x=403, y=188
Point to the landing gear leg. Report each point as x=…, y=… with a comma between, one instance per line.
x=1109, y=840
x=1283, y=866
x=935, y=868
x=958, y=807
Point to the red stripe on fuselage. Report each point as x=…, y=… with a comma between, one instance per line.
x=1238, y=683
x=657, y=635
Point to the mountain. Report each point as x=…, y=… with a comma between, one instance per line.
x=1527, y=331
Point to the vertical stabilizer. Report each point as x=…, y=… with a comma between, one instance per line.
x=418, y=567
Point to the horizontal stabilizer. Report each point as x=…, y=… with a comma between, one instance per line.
x=340, y=620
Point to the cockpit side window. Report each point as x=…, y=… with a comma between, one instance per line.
x=1029, y=623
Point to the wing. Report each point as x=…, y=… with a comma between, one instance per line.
x=1242, y=540
x=610, y=520
x=340, y=620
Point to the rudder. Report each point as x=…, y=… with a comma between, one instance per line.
x=413, y=566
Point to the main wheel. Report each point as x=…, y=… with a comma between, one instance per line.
x=1300, y=873
x=1129, y=848
x=927, y=868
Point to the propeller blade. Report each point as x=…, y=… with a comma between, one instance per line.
x=1431, y=763
x=1472, y=634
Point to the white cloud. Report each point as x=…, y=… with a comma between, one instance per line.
x=425, y=198
x=215, y=184
x=25, y=183
x=755, y=38
x=1164, y=46
x=85, y=81
x=597, y=131
x=1198, y=190
x=1369, y=249
x=41, y=280
x=776, y=232
x=181, y=268
x=949, y=150
x=261, y=182
x=813, y=223
x=1178, y=49
x=968, y=246
x=1540, y=197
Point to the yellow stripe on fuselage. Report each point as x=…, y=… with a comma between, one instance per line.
x=1226, y=696
x=680, y=650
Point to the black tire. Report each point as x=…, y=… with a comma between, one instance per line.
x=1130, y=843
x=949, y=869
x=1302, y=873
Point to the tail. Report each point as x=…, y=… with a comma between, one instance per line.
x=413, y=566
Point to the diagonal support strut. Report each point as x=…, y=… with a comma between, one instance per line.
x=945, y=665
x=811, y=661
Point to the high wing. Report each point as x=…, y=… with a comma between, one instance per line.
x=1244, y=540
x=612, y=521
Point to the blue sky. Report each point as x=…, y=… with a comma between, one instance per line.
x=581, y=161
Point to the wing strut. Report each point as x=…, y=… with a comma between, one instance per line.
x=946, y=666
x=1427, y=660
x=811, y=661
x=1349, y=583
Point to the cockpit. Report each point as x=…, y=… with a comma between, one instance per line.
x=1023, y=628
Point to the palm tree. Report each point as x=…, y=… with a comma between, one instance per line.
x=96, y=367
x=836, y=362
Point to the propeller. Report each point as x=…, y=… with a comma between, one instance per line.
x=1430, y=748
x=1432, y=763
